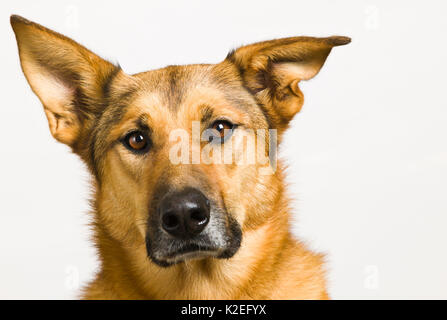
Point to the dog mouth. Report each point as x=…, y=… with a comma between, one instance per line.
x=186, y=252
x=192, y=251
x=191, y=248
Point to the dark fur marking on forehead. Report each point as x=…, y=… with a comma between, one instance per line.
x=206, y=113
x=176, y=87
x=142, y=123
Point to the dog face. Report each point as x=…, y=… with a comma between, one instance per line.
x=165, y=145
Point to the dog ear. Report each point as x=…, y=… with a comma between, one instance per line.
x=65, y=76
x=271, y=70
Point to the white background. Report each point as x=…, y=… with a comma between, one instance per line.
x=367, y=155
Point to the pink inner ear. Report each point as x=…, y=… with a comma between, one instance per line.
x=289, y=71
x=56, y=97
x=54, y=94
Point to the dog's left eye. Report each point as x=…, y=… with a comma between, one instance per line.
x=137, y=141
x=223, y=129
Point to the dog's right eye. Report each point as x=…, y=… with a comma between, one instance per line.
x=137, y=141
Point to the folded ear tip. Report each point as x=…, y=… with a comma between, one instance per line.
x=15, y=19
x=338, y=40
x=18, y=23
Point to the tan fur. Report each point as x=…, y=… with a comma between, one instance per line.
x=90, y=104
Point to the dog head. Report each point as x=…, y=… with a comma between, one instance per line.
x=158, y=142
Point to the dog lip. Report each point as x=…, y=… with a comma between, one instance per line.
x=190, y=251
x=189, y=248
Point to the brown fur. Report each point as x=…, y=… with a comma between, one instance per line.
x=90, y=103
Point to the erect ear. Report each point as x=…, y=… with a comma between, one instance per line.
x=67, y=78
x=271, y=70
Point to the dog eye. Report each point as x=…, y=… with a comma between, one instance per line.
x=223, y=129
x=137, y=141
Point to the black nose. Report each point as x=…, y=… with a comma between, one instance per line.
x=184, y=214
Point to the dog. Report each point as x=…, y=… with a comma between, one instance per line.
x=182, y=228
